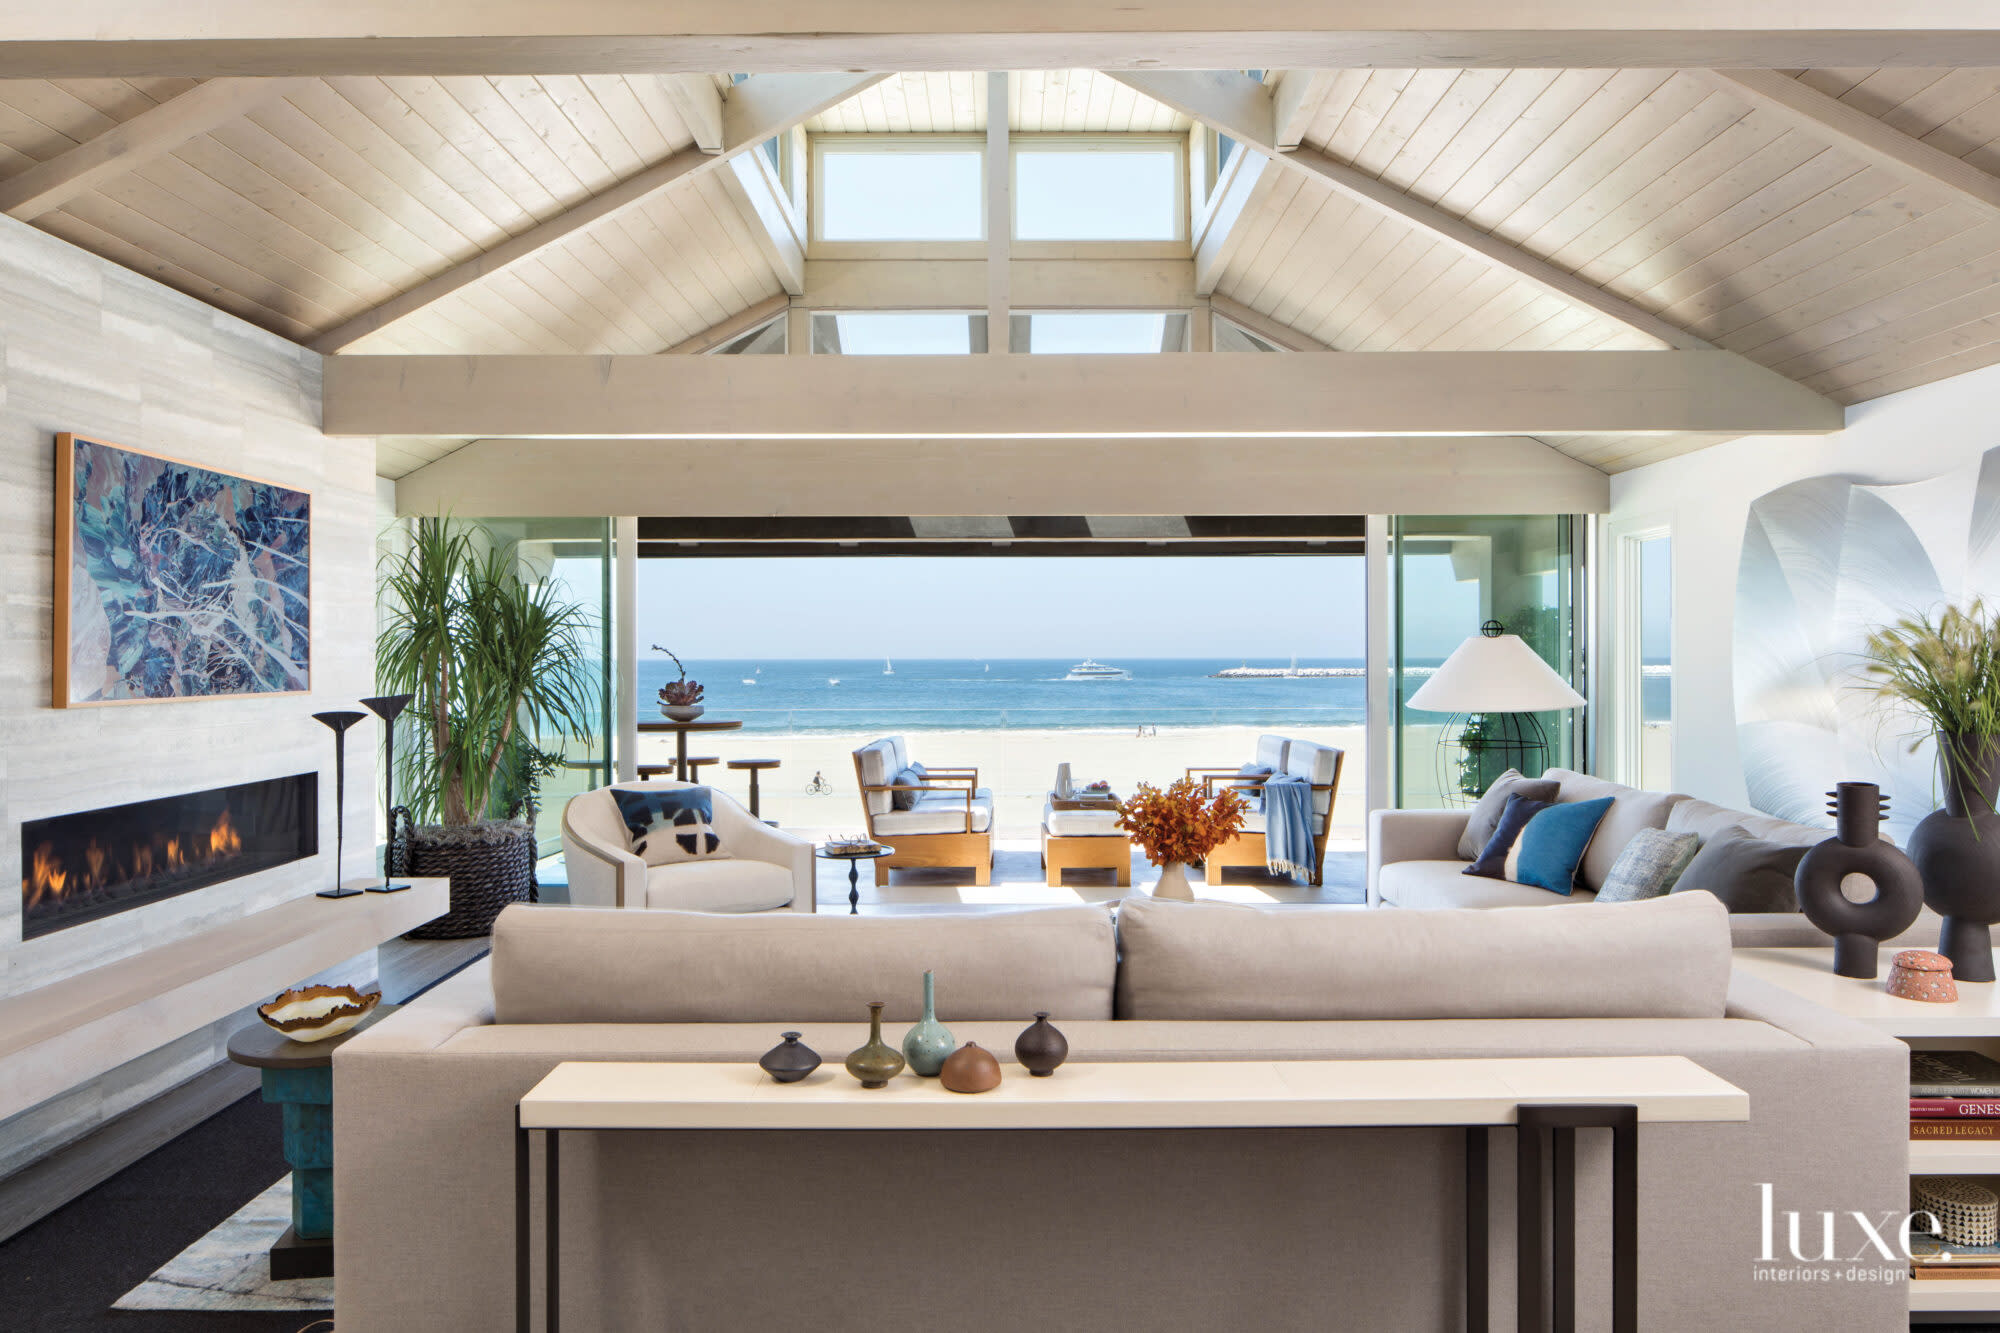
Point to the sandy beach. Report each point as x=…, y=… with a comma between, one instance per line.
x=1019, y=765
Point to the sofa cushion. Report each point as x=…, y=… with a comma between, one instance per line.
x=1648, y=866
x=1433, y=884
x=1080, y=823
x=1748, y=874
x=1317, y=764
x=1552, y=846
x=1663, y=959
x=906, y=800
x=878, y=763
x=1631, y=810
x=666, y=825
x=1486, y=814
x=719, y=886
x=1271, y=752
x=603, y=965
x=1707, y=819
x=1491, y=863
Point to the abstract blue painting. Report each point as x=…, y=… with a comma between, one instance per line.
x=174, y=581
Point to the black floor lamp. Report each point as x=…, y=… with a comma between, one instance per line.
x=1494, y=684
x=389, y=707
x=339, y=723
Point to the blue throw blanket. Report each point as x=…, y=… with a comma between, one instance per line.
x=1288, y=828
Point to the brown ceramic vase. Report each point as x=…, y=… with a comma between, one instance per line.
x=1041, y=1047
x=877, y=1062
x=970, y=1069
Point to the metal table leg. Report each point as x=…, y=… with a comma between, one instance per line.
x=1532, y=1164
x=552, y=1139
x=521, y=1265
x=1478, y=1230
x=854, y=888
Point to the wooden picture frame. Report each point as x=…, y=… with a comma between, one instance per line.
x=250, y=621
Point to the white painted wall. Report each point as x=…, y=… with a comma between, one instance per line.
x=1706, y=497
x=95, y=348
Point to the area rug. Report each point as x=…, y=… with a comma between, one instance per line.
x=230, y=1269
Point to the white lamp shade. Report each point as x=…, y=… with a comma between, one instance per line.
x=1497, y=674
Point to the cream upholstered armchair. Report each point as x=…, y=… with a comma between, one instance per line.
x=764, y=868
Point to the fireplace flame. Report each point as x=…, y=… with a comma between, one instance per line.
x=49, y=879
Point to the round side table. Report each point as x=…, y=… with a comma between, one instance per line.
x=298, y=1077
x=681, y=730
x=854, y=860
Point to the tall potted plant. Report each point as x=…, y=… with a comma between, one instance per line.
x=1946, y=669
x=493, y=661
x=1179, y=825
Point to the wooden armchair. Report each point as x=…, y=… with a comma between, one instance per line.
x=948, y=823
x=1319, y=765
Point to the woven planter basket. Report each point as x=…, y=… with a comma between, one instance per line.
x=486, y=874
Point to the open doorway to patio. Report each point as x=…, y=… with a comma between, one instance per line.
x=1126, y=654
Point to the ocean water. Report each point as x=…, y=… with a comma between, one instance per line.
x=961, y=693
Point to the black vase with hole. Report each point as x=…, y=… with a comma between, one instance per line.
x=1858, y=928
x=1957, y=851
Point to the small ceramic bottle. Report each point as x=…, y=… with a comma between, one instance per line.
x=790, y=1060
x=1041, y=1047
x=970, y=1069
x=877, y=1062
x=927, y=1044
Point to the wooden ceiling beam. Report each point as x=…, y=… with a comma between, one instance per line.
x=1505, y=474
x=1245, y=181
x=735, y=326
x=699, y=102
x=773, y=223
x=156, y=131
x=1295, y=96
x=438, y=37
x=1168, y=393
x=1239, y=106
x=1855, y=131
x=772, y=108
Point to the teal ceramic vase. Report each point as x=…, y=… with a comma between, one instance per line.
x=929, y=1043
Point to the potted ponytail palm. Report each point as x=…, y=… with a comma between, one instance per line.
x=1180, y=825
x=494, y=661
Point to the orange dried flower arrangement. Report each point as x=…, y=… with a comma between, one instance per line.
x=1181, y=824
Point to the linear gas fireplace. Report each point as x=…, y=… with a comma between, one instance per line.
x=83, y=867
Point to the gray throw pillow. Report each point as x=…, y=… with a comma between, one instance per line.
x=1648, y=866
x=1748, y=874
x=1486, y=815
x=906, y=800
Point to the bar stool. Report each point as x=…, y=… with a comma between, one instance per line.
x=695, y=765
x=754, y=766
x=647, y=772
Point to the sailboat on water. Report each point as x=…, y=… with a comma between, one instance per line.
x=888, y=667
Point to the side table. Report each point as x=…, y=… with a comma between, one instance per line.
x=854, y=860
x=298, y=1077
x=755, y=766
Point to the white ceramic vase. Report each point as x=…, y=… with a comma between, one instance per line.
x=1174, y=883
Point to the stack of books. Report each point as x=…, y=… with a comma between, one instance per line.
x=1954, y=1095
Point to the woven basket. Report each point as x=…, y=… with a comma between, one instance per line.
x=485, y=877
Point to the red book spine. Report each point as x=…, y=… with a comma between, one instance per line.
x=1949, y=1108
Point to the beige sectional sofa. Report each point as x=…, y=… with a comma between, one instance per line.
x=1271, y=1230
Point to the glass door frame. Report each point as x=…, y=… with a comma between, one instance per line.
x=1618, y=695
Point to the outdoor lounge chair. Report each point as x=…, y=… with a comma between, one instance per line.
x=946, y=819
x=1318, y=764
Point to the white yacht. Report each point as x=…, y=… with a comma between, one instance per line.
x=1089, y=670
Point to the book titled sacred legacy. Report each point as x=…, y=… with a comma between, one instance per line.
x=1964, y=1074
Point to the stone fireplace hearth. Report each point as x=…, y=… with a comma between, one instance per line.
x=95, y=863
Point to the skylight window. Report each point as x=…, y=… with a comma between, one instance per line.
x=1088, y=331
x=911, y=190
x=1097, y=190
x=898, y=333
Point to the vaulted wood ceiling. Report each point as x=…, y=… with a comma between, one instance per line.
x=1683, y=195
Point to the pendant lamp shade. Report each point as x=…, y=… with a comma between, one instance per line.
x=1493, y=672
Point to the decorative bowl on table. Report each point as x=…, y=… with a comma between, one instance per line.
x=314, y=1013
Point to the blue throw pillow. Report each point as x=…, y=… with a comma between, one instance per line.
x=1551, y=847
x=1491, y=862
x=670, y=824
x=913, y=776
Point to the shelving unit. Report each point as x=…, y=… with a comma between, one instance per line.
x=1972, y=1023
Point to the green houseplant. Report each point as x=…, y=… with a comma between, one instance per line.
x=494, y=661
x=1945, y=668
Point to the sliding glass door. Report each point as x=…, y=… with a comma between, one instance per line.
x=1449, y=576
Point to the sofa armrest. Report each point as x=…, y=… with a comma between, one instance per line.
x=750, y=838
x=1410, y=835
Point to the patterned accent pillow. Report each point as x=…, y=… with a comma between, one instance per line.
x=1485, y=816
x=671, y=825
x=1649, y=865
x=1493, y=858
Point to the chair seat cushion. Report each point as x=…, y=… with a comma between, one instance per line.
x=1081, y=823
x=719, y=886
x=1419, y=884
x=939, y=812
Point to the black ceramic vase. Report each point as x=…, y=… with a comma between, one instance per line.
x=1957, y=851
x=1858, y=928
x=1041, y=1047
x=790, y=1060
